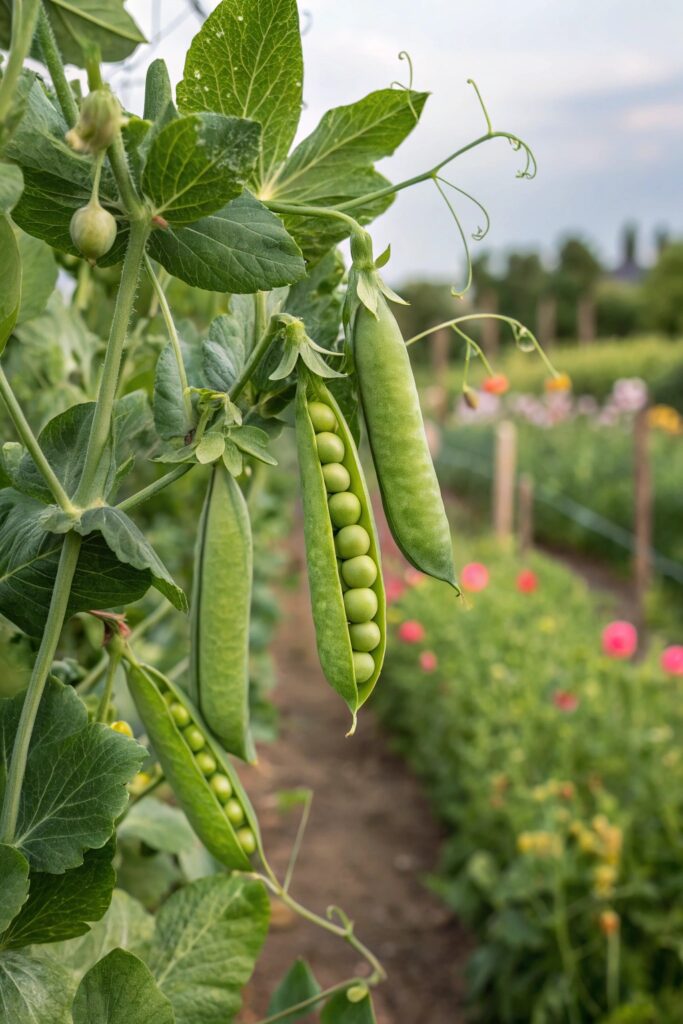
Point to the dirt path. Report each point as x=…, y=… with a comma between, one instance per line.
x=370, y=839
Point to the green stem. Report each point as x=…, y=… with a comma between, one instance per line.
x=103, y=706
x=86, y=684
x=294, y=856
x=154, y=488
x=30, y=441
x=55, y=65
x=315, y=211
x=305, y=1004
x=254, y=359
x=173, y=336
x=101, y=424
x=24, y=17
x=613, y=951
x=119, y=165
x=48, y=645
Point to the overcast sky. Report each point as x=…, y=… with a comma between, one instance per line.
x=595, y=87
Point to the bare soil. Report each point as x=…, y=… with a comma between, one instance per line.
x=370, y=842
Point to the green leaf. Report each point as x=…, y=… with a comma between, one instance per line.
x=298, y=985
x=10, y=280
x=224, y=352
x=60, y=906
x=254, y=442
x=318, y=299
x=120, y=990
x=16, y=660
x=157, y=825
x=11, y=186
x=243, y=248
x=340, y=1010
x=33, y=990
x=207, y=938
x=38, y=276
x=147, y=877
x=14, y=874
x=81, y=24
x=170, y=418
x=75, y=782
x=196, y=164
x=126, y=923
x=131, y=547
x=246, y=61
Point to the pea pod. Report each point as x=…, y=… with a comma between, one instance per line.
x=342, y=549
x=410, y=490
x=201, y=776
x=221, y=605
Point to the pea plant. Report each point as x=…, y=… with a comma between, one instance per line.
x=204, y=189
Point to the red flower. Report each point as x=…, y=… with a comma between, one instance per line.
x=429, y=661
x=411, y=632
x=496, y=385
x=565, y=701
x=474, y=576
x=619, y=639
x=672, y=660
x=527, y=581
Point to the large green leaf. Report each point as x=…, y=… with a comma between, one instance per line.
x=246, y=61
x=14, y=875
x=207, y=938
x=224, y=352
x=298, y=985
x=196, y=164
x=75, y=782
x=243, y=248
x=33, y=990
x=157, y=825
x=79, y=24
x=59, y=907
x=11, y=186
x=10, y=280
x=342, y=1010
x=38, y=276
x=120, y=990
x=131, y=547
x=170, y=417
x=126, y=923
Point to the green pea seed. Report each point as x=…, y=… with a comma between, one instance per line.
x=220, y=784
x=360, y=571
x=330, y=447
x=336, y=477
x=179, y=714
x=234, y=811
x=169, y=696
x=365, y=636
x=195, y=738
x=352, y=541
x=322, y=417
x=206, y=762
x=360, y=604
x=247, y=840
x=344, y=508
x=363, y=666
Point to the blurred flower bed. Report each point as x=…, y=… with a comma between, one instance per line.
x=576, y=448
x=555, y=761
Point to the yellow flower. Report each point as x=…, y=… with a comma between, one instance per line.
x=663, y=417
x=541, y=844
x=560, y=382
x=604, y=877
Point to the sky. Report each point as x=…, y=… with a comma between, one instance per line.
x=594, y=86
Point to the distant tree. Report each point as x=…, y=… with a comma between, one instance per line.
x=663, y=291
x=576, y=276
x=431, y=302
x=523, y=283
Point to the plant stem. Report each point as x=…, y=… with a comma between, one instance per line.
x=315, y=211
x=154, y=488
x=313, y=1000
x=55, y=65
x=101, y=424
x=24, y=17
x=103, y=706
x=30, y=441
x=254, y=359
x=48, y=645
x=173, y=336
x=119, y=165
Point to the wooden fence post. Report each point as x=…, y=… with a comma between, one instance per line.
x=525, y=527
x=504, y=472
x=642, y=511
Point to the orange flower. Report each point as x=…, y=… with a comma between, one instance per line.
x=609, y=922
x=496, y=385
x=560, y=382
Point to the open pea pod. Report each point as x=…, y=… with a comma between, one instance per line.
x=342, y=548
x=391, y=409
x=221, y=608
x=200, y=774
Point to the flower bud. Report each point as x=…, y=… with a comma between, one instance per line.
x=471, y=397
x=93, y=230
x=99, y=121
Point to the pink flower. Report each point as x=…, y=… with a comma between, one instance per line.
x=527, y=581
x=414, y=577
x=672, y=660
x=474, y=576
x=428, y=661
x=565, y=701
x=394, y=588
x=411, y=632
x=619, y=639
